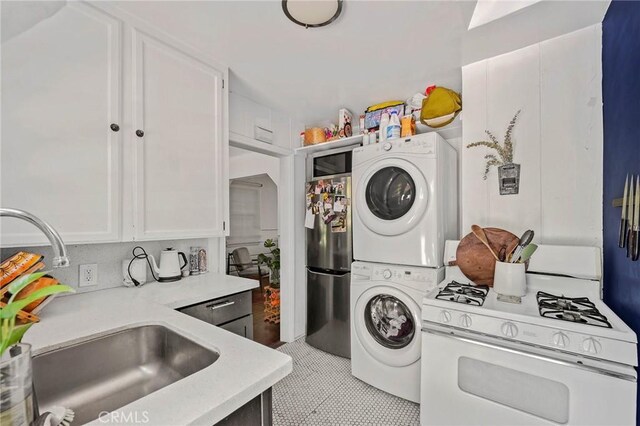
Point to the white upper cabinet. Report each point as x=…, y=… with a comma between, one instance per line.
x=76, y=88
x=61, y=92
x=252, y=120
x=178, y=123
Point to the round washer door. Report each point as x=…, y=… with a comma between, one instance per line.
x=387, y=325
x=392, y=196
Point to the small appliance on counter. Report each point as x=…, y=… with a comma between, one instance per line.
x=329, y=251
x=169, y=270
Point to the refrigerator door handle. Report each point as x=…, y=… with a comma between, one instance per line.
x=313, y=271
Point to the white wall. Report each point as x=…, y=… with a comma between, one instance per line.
x=266, y=210
x=253, y=163
x=263, y=169
x=558, y=139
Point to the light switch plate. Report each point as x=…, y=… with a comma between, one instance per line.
x=88, y=275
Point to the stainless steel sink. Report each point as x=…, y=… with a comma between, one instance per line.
x=108, y=372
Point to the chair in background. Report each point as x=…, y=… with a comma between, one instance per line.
x=244, y=265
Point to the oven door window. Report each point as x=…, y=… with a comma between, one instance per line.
x=389, y=321
x=542, y=397
x=390, y=193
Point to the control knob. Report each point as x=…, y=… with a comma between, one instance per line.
x=591, y=345
x=465, y=320
x=445, y=316
x=560, y=339
x=386, y=146
x=386, y=274
x=509, y=329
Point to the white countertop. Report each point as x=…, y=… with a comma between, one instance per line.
x=243, y=370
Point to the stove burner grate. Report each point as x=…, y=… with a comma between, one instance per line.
x=463, y=293
x=573, y=309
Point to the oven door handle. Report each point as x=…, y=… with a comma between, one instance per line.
x=547, y=358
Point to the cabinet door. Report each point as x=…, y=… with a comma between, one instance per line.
x=61, y=88
x=249, y=118
x=178, y=104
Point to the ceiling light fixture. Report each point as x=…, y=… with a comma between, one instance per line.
x=312, y=13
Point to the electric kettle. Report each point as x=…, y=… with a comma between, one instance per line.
x=170, y=267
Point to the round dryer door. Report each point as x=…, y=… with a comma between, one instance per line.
x=387, y=324
x=392, y=196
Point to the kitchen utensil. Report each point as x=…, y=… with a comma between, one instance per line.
x=62, y=416
x=525, y=239
x=527, y=252
x=475, y=261
x=194, y=267
x=622, y=237
x=635, y=254
x=502, y=256
x=170, y=267
x=510, y=279
x=479, y=232
x=629, y=221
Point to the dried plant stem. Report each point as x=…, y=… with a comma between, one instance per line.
x=504, y=151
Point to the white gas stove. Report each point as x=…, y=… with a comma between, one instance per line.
x=546, y=359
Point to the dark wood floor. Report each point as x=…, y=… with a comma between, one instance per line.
x=263, y=332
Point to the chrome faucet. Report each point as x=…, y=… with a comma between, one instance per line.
x=60, y=259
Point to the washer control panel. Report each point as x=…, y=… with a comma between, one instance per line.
x=393, y=274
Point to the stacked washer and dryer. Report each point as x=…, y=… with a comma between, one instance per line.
x=405, y=208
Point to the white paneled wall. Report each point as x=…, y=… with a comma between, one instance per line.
x=558, y=139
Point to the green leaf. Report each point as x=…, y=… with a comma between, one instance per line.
x=11, y=310
x=23, y=281
x=15, y=336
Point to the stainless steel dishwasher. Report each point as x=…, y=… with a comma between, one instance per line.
x=233, y=313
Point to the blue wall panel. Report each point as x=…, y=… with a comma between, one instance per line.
x=621, y=97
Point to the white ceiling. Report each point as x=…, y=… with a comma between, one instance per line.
x=375, y=51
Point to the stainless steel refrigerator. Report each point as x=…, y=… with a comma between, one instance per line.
x=329, y=255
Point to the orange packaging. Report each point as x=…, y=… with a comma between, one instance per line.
x=16, y=265
x=408, y=126
x=38, y=284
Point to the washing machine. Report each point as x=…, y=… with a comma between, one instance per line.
x=386, y=340
x=405, y=200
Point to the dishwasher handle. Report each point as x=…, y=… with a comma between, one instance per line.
x=221, y=304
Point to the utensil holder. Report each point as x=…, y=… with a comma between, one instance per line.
x=510, y=279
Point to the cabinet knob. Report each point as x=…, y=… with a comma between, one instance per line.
x=114, y=127
x=139, y=133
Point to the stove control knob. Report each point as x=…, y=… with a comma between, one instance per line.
x=465, y=321
x=509, y=329
x=386, y=146
x=591, y=345
x=560, y=339
x=445, y=316
x=386, y=274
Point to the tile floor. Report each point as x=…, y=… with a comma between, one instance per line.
x=322, y=391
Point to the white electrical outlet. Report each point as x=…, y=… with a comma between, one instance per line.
x=88, y=275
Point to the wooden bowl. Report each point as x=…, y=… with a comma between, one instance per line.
x=476, y=261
